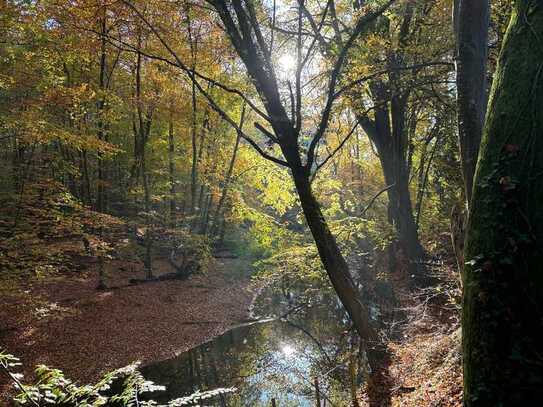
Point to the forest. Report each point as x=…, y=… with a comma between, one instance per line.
x=271, y=203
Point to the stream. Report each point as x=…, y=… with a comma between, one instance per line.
x=307, y=356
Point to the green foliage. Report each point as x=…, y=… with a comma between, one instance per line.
x=295, y=265
x=52, y=388
x=352, y=231
x=193, y=250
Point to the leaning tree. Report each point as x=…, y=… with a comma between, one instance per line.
x=290, y=132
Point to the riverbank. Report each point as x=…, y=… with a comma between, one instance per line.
x=68, y=324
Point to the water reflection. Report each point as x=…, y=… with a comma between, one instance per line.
x=285, y=360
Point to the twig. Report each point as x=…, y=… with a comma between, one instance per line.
x=18, y=383
x=368, y=206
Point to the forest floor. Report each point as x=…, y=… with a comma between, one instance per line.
x=52, y=313
x=67, y=322
x=425, y=367
x=423, y=363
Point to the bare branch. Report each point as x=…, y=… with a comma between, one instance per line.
x=316, y=29
x=210, y=100
x=261, y=128
x=274, y=11
x=366, y=78
x=298, y=121
x=334, y=77
x=335, y=24
x=263, y=153
x=333, y=153
x=370, y=204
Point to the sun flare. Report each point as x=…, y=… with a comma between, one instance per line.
x=288, y=350
x=287, y=62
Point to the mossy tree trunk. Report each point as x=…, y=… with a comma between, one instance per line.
x=503, y=278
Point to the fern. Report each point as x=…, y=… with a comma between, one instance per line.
x=52, y=388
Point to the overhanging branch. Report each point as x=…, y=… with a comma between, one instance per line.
x=334, y=77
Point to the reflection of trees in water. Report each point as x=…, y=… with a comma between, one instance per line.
x=319, y=334
x=253, y=359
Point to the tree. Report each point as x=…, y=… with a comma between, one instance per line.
x=245, y=32
x=386, y=101
x=227, y=178
x=388, y=131
x=471, y=19
x=503, y=284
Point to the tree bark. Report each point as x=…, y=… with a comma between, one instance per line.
x=390, y=145
x=471, y=26
x=503, y=283
x=86, y=189
x=193, y=42
x=194, y=165
x=143, y=131
x=424, y=169
x=335, y=265
x=101, y=200
x=171, y=167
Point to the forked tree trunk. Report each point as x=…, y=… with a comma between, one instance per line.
x=503, y=279
x=394, y=166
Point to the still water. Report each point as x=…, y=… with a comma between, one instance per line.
x=280, y=359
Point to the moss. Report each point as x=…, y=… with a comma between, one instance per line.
x=503, y=283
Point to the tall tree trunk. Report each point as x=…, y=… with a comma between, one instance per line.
x=390, y=133
x=471, y=27
x=193, y=42
x=205, y=214
x=171, y=167
x=196, y=218
x=148, y=231
x=143, y=131
x=222, y=231
x=194, y=169
x=391, y=153
x=503, y=283
x=86, y=189
x=424, y=170
x=100, y=201
x=147, y=202
x=335, y=265
x=226, y=183
x=202, y=194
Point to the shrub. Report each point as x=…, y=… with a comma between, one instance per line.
x=121, y=387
